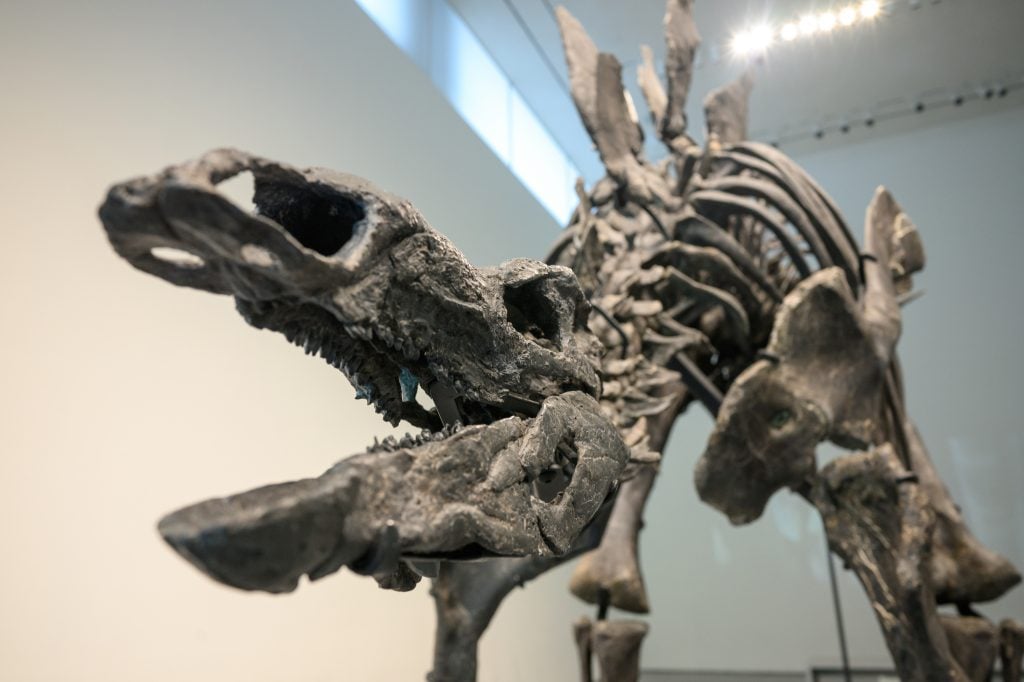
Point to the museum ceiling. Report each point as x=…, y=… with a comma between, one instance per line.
x=919, y=52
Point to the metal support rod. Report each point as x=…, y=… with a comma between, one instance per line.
x=838, y=608
x=604, y=599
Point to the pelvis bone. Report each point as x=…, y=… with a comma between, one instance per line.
x=828, y=375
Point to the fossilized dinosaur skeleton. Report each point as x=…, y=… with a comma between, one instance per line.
x=723, y=275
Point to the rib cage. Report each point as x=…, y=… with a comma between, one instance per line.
x=744, y=234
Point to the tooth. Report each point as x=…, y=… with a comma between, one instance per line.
x=409, y=385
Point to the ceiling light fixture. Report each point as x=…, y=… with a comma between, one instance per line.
x=756, y=40
x=762, y=37
x=869, y=9
x=740, y=43
x=753, y=41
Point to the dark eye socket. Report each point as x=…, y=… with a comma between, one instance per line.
x=780, y=418
x=532, y=313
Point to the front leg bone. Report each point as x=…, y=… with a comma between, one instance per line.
x=963, y=570
x=974, y=643
x=582, y=632
x=1011, y=649
x=616, y=645
x=612, y=571
x=468, y=594
x=880, y=523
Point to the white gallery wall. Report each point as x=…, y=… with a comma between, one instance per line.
x=123, y=398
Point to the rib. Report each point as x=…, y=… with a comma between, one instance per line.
x=709, y=198
x=733, y=310
x=842, y=238
x=698, y=230
x=779, y=200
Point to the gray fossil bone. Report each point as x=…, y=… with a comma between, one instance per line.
x=681, y=43
x=879, y=523
x=392, y=503
x=467, y=596
x=974, y=645
x=963, y=570
x=357, y=276
x=612, y=571
x=582, y=631
x=597, y=90
x=822, y=381
x=654, y=93
x=726, y=110
x=616, y=645
x=1011, y=649
x=724, y=276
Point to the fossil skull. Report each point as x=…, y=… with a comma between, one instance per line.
x=356, y=275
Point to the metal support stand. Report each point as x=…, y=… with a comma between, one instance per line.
x=838, y=608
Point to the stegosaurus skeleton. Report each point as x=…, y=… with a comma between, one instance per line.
x=723, y=275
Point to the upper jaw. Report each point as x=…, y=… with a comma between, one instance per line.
x=314, y=229
x=318, y=264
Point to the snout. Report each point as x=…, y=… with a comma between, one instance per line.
x=312, y=228
x=264, y=539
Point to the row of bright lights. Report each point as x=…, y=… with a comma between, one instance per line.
x=758, y=39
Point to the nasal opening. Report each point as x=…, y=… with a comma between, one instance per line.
x=320, y=219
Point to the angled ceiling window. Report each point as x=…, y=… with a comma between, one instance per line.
x=443, y=46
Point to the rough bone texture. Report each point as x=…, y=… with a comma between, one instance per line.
x=357, y=276
x=467, y=595
x=616, y=646
x=880, y=524
x=726, y=111
x=440, y=499
x=1011, y=649
x=612, y=571
x=722, y=275
x=974, y=644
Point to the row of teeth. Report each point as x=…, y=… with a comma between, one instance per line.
x=405, y=347
x=348, y=360
x=390, y=443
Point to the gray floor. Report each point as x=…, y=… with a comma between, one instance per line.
x=716, y=676
x=817, y=675
x=699, y=676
